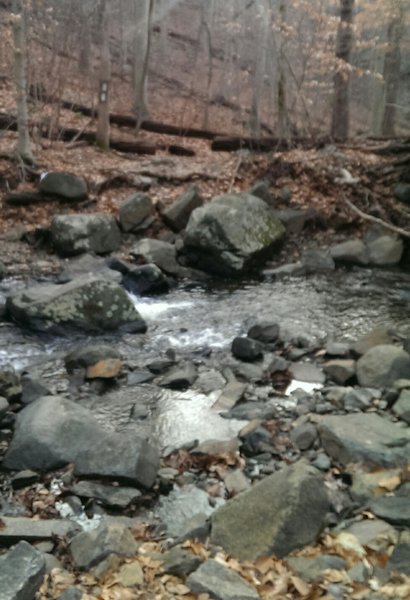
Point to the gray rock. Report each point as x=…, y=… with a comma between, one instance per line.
x=377, y=337
x=89, y=548
x=236, y=482
x=364, y=437
x=252, y=410
x=307, y=372
x=294, y=220
x=312, y=568
x=351, y=251
x=87, y=304
x=177, y=510
x=21, y=573
x=24, y=478
x=33, y=389
x=53, y=432
x=382, y=365
x=146, y=280
x=385, y=250
x=88, y=264
x=283, y=512
x=232, y=234
x=75, y=234
x=359, y=399
x=230, y=396
x=304, y=436
x=23, y=528
x=115, y=496
x=399, y=561
x=4, y=407
x=317, y=261
x=10, y=384
x=290, y=269
x=177, y=215
x=64, y=186
x=247, y=349
x=260, y=189
x=374, y=534
x=220, y=583
x=402, y=406
x=393, y=509
x=402, y=192
x=159, y=253
x=180, y=377
x=265, y=332
x=322, y=462
x=180, y=562
x=134, y=211
x=340, y=370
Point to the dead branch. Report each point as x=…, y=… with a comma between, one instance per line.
x=372, y=219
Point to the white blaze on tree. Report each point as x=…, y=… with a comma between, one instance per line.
x=103, y=125
x=19, y=19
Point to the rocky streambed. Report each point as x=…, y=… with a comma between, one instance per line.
x=212, y=439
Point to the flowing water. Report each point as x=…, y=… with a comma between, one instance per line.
x=341, y=305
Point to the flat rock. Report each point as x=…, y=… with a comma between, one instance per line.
x=351, y=251
x=374, y=534
x=247, y=349
x=230, y=396
x=54, y=431
x=180, y=562
x=307, y=372
x=283, y=512
x=115, y=496
x=393, y=509
x=399, y=561
x=402, y=406
x=312, y=568
x=31, y=530
x=340, y=370
x=22, y=571
x=180, y=377
x=365, y=437
x=88, y=264
x=177, y=510
x=221, y=583
x=134, y=211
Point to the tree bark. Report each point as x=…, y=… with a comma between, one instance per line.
x=391, y=72
x=23, y=149
x=142, y=42
x=341, y=81
x=103, y=124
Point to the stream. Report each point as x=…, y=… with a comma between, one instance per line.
x=199, y=324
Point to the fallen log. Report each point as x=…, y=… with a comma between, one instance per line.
x=231, y=144
x=24, y=198
x=130, y=121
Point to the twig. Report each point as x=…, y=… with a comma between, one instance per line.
x=235, y=173
x=367, y=217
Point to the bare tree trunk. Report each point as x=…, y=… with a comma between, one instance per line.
x=281, y=96
x=23, y=148
x=143, y=11
x=103, y=125
x=341, y=81
x=265, y=20
x=391, y=71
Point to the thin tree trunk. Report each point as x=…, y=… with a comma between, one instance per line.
x=281, y=95
x=341, y=81
x=391, y=74
x=144, y=12
x=103, y=124
x=23, y=149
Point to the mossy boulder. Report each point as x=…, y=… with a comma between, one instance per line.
x=88, y=303
x=232, y=234
x=76, y=234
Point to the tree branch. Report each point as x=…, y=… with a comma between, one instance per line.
x=372, y=219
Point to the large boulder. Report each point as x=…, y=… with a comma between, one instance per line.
x=87, y=304
x=63, y=186
x=159, y=253
x=281, y=513
x=53, y=431
x=382, y=365
x=232, y=234
x=75, y=234
x=365, y=438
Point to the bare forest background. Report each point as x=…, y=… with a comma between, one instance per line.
x=239, y=67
